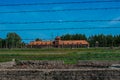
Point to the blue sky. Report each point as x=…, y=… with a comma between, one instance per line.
x=58, y=16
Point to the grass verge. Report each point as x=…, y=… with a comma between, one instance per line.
x=70, y=56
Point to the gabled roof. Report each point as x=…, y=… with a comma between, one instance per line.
x=60, y=42
x=40, y=43
x=65, y=42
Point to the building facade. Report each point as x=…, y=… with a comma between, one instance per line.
x=58, y=43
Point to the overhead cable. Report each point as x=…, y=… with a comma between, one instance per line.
x=60, y=21
x=56, y=3
x=62, y=10
x=42, y=29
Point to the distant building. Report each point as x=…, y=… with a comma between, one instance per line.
x=40, y=44
x=58, y=43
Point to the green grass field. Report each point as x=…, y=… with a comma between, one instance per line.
x=67, y=55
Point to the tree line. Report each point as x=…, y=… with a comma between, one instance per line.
x=99, y=40
x=13, y=40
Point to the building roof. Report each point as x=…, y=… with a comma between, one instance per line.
x=68, y=42
x=60, y=42
x=40, y=43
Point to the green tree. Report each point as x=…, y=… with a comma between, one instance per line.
x=110, y=40
x=74, y=37
x=66, y=37
x=117, y=40
x=38, y=39
x=104, y=40
x=13, y=40
x=1, y=42
x=78, y=37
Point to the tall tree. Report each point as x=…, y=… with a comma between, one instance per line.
x=38, y=39
x=1, y=42
x=117, y=40
x=13, y=40
x=110, y=40
x=66, y=37
x=74, y=37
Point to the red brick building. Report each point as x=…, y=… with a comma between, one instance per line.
x=58, y=43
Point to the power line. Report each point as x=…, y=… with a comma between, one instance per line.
x=55, y=3
x=29, y=39
x=109, y=8
x=59, y=21
x=61, y=29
